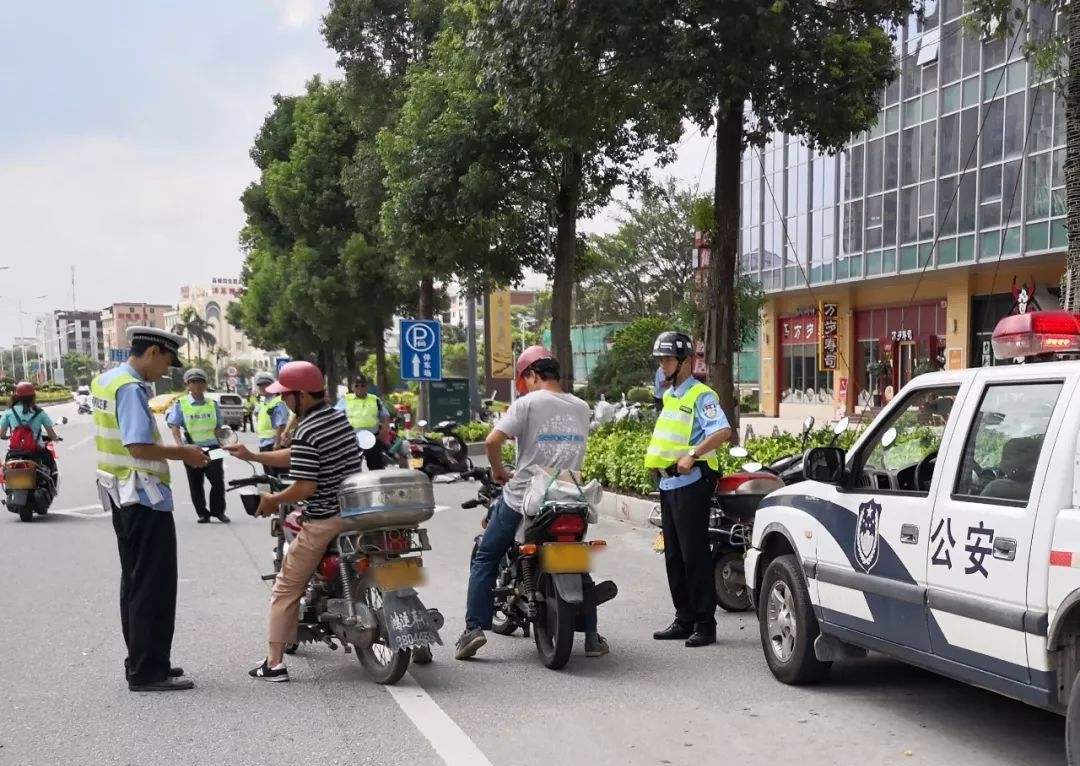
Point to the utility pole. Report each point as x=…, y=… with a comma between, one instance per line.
x=73, y=308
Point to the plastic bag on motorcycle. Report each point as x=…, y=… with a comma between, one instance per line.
x=551, y=485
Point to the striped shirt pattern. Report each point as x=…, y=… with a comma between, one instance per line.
x=324, y=450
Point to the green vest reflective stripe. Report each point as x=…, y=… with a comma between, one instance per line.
x=264, y=427
x=674, y=426
x=362, y=413
x=200, y=420
x=113, y=457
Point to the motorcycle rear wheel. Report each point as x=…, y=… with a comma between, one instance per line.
x=382, y=664
x=554, y=626
x=26, y=513
x=731, y=596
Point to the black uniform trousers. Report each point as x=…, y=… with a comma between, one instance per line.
x=214, y=472
x=375, y=457
x=147, y=542
x=684, y=516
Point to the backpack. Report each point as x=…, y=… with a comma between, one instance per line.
x=22, y=438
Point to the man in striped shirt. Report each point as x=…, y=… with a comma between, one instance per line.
x=323, y=452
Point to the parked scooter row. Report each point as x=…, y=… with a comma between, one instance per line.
x=734, y=504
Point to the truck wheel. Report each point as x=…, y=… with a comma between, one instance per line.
x=1072, y=725
x=787, y=623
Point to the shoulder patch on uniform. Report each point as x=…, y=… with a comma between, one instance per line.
x=711, y=410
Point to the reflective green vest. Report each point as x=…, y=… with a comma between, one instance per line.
x=671, y=434
x=362, y=413
x=264, y=427
x=200, y=420
x=113, y=457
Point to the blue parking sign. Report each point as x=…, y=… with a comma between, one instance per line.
x=421, y=349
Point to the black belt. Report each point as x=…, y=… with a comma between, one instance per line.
x=673, y=470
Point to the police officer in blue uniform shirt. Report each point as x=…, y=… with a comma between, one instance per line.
x=131, y=483
x=206, y=418
x=686, y=488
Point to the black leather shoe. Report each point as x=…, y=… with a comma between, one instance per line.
x=203, y=520
x=676, y=631
x=222, y=518
x=166, y=685
x=701, y=638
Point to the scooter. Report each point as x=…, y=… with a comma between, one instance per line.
x=29, y=486
x=436, y=457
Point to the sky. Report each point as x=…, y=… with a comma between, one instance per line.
x=124, y=143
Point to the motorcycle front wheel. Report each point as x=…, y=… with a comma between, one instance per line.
x=554, y=629
x=382, y=664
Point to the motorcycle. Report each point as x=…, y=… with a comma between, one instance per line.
x=436, y=457
x=543, y=585
x=29, y=485
x=362, y=594
x=84, y=407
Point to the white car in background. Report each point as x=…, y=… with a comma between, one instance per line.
x=232, y=408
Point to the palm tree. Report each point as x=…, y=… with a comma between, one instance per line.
x=194, y=328
x=221, y=355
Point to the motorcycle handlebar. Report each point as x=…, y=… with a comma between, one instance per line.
x=252, y=481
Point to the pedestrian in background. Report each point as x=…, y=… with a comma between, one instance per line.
x=682, y=456
x=133, y=483
x=366, y=412
x=194, y=419
x=271, y=418
x=251, y=401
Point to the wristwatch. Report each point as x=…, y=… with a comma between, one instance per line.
x=692, y=452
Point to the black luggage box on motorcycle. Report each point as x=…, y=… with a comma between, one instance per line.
x=395, y=497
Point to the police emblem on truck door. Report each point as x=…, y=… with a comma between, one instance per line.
x=866, y=535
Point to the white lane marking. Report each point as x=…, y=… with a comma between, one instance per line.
x=81, y=442
x=81, y=511
x=451, y=744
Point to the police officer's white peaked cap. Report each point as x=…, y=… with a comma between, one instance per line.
x=170, y=340
x=194, y=374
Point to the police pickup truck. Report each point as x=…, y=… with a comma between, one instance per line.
x=948, y=537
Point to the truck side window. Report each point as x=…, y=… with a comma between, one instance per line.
x=1006, y=437
x=907, y=440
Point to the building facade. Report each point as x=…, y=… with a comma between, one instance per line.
x=78, y=332
x=116, y=319
x=211, y=302
x=912, y=237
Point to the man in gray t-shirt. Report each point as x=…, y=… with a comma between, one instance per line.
x=550, y=427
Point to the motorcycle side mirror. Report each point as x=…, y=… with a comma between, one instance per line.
x=365, y=439
x=63, y=420
x=841, y=426
x=422, y=423
x=808, y=423
x=738, y=452
x=888, y=438
x=751, y=467
x=225, y=436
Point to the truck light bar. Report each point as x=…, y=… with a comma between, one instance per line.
x=1037, y=333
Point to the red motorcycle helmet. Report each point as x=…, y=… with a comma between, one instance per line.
x=298, y=376
x=25, y=388
x=528, y=358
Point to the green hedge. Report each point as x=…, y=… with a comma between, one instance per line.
x=475, y=431
x=43, y=397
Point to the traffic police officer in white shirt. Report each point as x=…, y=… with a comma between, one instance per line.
x=133, y=483
x=194, y=419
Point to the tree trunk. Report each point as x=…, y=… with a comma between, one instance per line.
x=1071, y=296
x=381, y=378
x=331, y=375
x=563, y=277
x=724, y=258
x=427, y=297
x=351, y=367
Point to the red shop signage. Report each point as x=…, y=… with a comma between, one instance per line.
x=797, y=330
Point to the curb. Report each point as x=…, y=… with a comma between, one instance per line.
x=475, y=448
x=627, y=508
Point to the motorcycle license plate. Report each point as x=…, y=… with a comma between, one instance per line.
x=658, y=543
x=416, y=463
x=564, y=558
x=399, y=574
x=21, y=480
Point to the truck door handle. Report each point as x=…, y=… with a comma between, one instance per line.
x=909, y=533
x=1004, y=548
